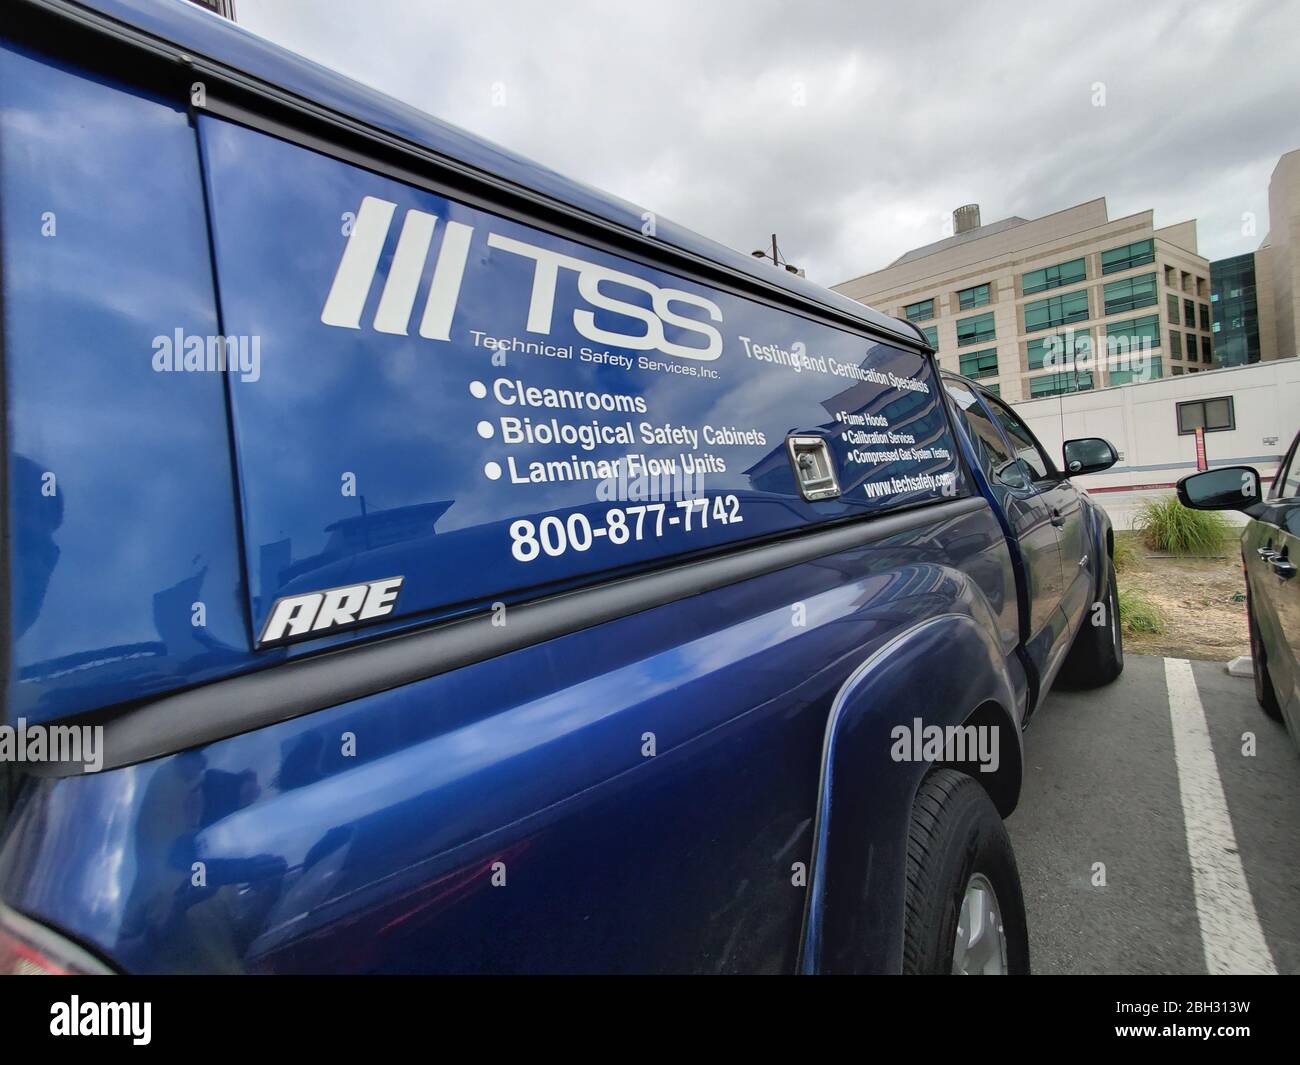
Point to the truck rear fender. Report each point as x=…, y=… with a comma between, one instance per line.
x=947, y=672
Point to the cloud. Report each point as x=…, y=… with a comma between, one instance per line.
x=851, y=130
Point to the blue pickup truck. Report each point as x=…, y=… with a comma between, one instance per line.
x=415, y=561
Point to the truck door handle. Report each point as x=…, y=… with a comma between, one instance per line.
x=1057, y=519
x=1266, y=553
x=1282, y=567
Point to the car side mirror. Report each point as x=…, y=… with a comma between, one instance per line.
x=1228, y=488
x=1091, y=454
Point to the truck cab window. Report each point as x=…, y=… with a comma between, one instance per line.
x=999, y=464
x=1028, y=450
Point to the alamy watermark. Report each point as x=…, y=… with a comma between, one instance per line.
x=919, y=742
x=182, y=353
x=83, y=744
x=1071, y=352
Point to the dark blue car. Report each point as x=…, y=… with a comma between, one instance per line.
x=415, y=561
x=1270, y=555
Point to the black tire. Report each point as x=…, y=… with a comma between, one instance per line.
x=956, y=833
x=1265, y=693
x=1097, y=655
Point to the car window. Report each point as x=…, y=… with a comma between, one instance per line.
x=1287, y=485
x=1028, y=450
x=998, y=462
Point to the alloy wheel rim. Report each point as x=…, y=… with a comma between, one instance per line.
x=980, y=948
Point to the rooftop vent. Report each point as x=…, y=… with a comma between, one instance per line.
x=966, y=218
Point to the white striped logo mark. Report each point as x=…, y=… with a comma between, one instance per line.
x=360, y=262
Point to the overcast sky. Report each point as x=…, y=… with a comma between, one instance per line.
x=851, y=129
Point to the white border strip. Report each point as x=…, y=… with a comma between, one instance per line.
x=1230, y=932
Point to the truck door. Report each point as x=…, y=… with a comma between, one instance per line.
x=1060, y=508
x=1028, y=514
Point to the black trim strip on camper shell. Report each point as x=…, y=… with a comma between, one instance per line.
x=471, y=185
x=224, y=708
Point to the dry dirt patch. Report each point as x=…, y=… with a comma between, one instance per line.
x=1203, y=601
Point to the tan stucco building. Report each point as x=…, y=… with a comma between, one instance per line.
x=999, y=300
x=1277, y=263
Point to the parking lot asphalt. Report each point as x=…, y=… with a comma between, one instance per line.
x=1149, y=840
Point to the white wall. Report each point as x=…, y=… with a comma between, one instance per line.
x=1141, y=421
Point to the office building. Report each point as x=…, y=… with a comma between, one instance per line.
x=1011, y=301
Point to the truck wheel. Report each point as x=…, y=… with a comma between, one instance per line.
x=1264, y=690
x=1097, y=656
x=964, y=910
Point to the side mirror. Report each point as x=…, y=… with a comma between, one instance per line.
x=1229, y=488
x=1091, y=454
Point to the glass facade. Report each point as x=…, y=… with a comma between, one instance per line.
x=975, y=330
x=1127, y=349
x=1059, y=346
x=1150, y=372
x=921, y=311
x=1134, y=333
x=1057, y=276
x=1236, y=314
x=1056, y=311
x=1139, y=253
x=973, y=297
x=980, y=363
x=1059, y=384
x=1129, y=294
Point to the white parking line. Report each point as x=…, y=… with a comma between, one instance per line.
x=1230, y=933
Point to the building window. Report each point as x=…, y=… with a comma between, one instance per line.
x=1150, y=372
x=1213, y=415
x=1175, y=344
x=995, y=389
x=1189, y=314
x=919, y=312
x=1191, y=346
x=1171, y=304
x=1205, y=317
x=932, y=335
x=1057, y=276
x=975, y=330
x=1134, y=333
x=1129, y=294
x=969, y=298
x=1207, y=354
x=1138, y=253
x=1059, y=384
x=1058, y=347
x=980, y=363
x=1056, y=311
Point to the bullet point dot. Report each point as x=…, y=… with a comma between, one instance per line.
x=478, y=389
x=492, y=470
x=485, y=430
